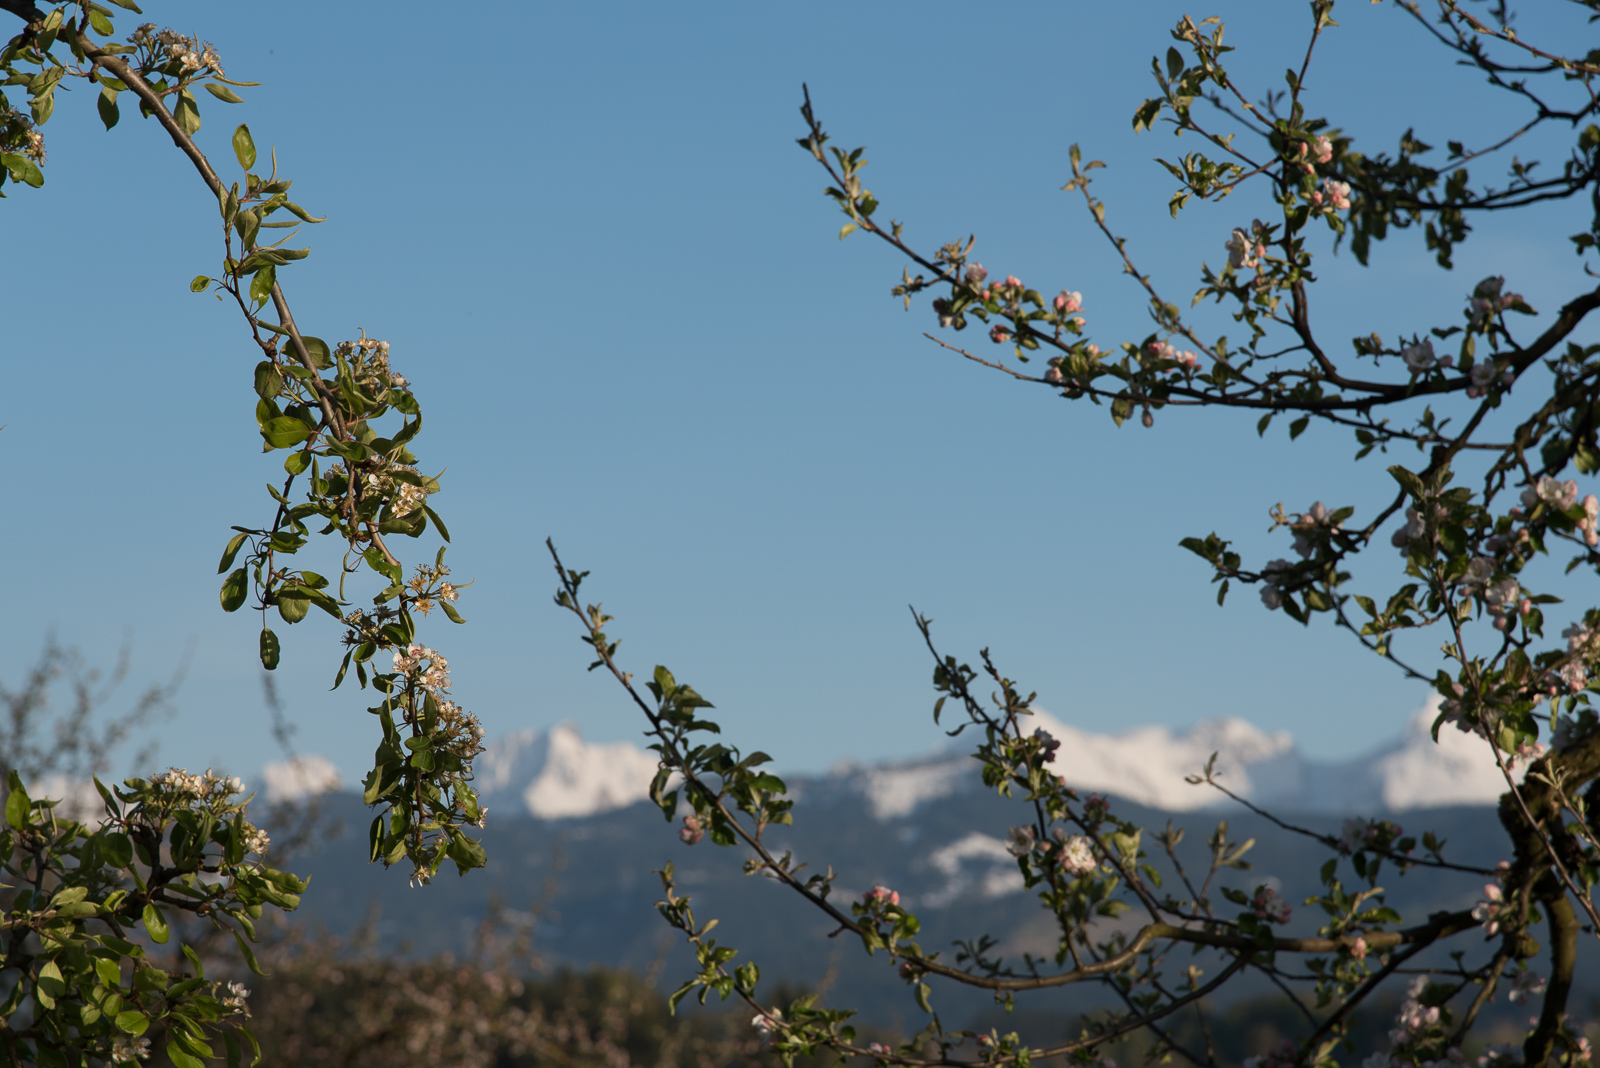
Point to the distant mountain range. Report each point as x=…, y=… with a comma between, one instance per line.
x=555, y=774
x=572, y=842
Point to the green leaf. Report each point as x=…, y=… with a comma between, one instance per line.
x=270, y=651
x=116, y=850
x=248, y=954
x=108, y=106
x=187, y=113
x=231, y=551
x=101, y=24
x=284, y=432
x=261, y=285
x=224, y=94
x=18, y=805
x=22, y=169
x=182, y=1059
x=132, y=1021
x=293, y=606
x=450, y=610
x=318, y=350
x=244, y=147
x=199, y=284
x=234, y=589
x=438, y=524
x=129, y=5
x=155, y=923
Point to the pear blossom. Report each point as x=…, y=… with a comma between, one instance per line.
x=126, y=1049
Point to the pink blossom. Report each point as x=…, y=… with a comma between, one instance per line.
x=976, y=274
x=1322, y=149
x=692, y=830
x=1487, y=911
x=998, y=334
x=1048, y=744
x=1068, y=301
x=1338, y=194
x=1054, y=375
x=1358, y=948
x=881, y=895
x=1013, y=281
x=1268, y=906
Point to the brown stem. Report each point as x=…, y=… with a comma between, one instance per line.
x=1563, y=956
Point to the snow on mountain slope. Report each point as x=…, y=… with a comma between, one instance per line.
x=555, y=773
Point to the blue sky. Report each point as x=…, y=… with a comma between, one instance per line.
x=595, y=249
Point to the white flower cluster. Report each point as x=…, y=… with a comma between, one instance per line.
x=369, y=363
x=17, y=134
x=191, y=54
x=404, y=498
x=197, y=787
x=126, y=1049
x=424, y=666
x=235, y=997
x=1020, y=841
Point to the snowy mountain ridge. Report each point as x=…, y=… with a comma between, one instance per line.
x=555, y=774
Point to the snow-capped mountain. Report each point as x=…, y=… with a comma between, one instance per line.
x=555, y=773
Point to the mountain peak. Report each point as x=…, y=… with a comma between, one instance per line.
x=555, y=774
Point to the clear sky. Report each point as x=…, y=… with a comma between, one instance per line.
x=588, y=235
